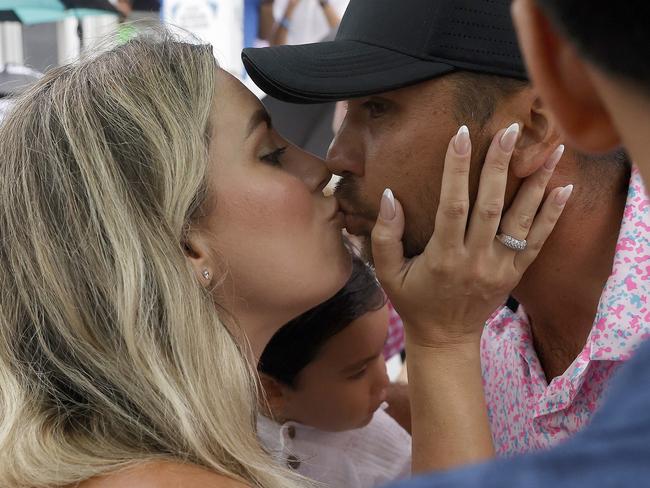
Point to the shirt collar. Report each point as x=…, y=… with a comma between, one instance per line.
x=623, y=316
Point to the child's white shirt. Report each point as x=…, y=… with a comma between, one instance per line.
x=361, y=458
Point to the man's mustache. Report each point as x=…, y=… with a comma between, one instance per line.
x=348, y=193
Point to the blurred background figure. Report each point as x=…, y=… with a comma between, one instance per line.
x=218, y=22
x=305, y=21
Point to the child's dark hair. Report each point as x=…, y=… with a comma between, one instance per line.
x=298, y=343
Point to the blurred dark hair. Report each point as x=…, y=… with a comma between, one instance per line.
x=298, y=343
x=613, y=35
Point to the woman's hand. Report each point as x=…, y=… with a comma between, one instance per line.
x=446, y=294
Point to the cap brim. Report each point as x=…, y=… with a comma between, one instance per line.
x=336, y=70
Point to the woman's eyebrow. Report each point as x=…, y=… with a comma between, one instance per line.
x=260, y=116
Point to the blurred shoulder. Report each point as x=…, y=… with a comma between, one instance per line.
x=163, y=474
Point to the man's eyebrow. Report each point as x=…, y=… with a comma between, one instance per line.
x=260, y=116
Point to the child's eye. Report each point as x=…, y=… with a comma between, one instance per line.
x=274, y=158
x=359, y=374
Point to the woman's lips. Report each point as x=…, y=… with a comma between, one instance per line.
x=357, y=225
x=339, y=219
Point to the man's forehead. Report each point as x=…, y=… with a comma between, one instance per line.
x=441, y=86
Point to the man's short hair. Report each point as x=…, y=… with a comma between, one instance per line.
x=613, y=35
x=298, y=343
x=477, y=95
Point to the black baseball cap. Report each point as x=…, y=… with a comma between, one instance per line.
x=384, y=45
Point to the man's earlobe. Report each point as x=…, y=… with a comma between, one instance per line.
x=539, y=138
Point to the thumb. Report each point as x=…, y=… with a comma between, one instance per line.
x=387, y=248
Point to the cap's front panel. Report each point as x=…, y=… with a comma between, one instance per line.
x=399, y=25
x=478, y=34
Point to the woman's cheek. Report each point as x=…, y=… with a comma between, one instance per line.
x=287, y=204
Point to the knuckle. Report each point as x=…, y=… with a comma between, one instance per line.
x=524, y=222
x=439, y=267
x=500, y=165
x=491, y=211
x=455, y=208
x=460, y=168
x=542, y=183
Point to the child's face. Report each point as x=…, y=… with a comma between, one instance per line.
x=346, y=383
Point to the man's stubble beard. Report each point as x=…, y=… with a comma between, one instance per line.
x=415, y=238
x=416, y=234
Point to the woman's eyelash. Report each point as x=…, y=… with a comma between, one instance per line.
x=274, y=158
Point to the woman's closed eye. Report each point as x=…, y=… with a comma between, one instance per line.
x=274, y=158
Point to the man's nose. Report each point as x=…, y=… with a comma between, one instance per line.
x=345, y=154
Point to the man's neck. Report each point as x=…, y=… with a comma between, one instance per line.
x=561, y=290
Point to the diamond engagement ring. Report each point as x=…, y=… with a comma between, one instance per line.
x=512, y=243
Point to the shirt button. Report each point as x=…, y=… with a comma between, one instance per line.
x=292, y=462
x=291, y=432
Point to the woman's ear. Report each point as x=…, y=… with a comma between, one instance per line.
x=564, y=81
x=540, y=136
x=198, y=254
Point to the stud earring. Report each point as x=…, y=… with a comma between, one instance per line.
x=206, y=274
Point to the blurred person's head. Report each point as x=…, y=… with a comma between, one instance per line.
x=409, y=86
x=152, y=224
x=589, y=62
x=325, y=368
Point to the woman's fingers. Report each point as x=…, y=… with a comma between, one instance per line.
x=543, y=226
x=386, y=238
x=520, y=216
x=488, y=208
x=451, y=218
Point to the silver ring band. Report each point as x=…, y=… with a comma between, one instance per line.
x=512, y=243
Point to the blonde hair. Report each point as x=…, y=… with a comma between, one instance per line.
x=111, y=353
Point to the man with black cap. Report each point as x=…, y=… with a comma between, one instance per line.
x=589, y=61
x=412, y=71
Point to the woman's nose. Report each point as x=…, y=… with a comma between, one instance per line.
x=310, y=169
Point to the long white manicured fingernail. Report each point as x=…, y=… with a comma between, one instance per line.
x=509, y=137
x=554, y=158
x=564, y=195
x=462, y=141
x=387, y=206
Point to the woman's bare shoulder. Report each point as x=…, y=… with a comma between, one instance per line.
x=163, y=474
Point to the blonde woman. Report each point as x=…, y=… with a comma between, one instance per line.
x=156, y=232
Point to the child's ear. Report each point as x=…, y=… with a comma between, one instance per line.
x=275, y=395
x=539, y=138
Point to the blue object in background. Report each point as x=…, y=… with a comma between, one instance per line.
x=251, y=21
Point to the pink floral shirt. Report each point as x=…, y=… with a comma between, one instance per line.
x=527, y=413
x=395, y=342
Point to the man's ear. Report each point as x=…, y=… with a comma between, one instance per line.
x=564, y=81
x=275, y=395
x=539, y=138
